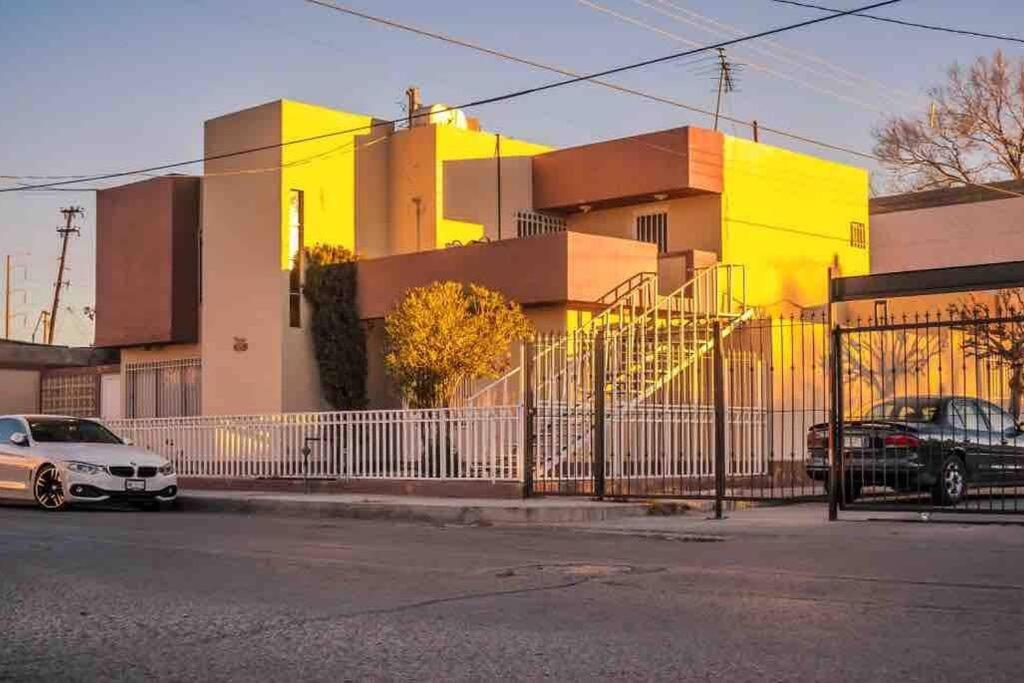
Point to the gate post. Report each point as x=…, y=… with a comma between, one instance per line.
x=718, y=380
x=599, y=414
x=835, y=431
x=529, y=416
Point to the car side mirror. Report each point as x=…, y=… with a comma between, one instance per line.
x=19, y=439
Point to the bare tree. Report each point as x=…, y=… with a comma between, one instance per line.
x=996, y=333
x=973, y=132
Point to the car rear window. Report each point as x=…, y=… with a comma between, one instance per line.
x=909, y=410
x=65, y=430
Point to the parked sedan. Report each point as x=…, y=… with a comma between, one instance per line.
x=56, y=461
x=939, y=445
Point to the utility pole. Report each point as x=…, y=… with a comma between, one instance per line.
x=7, y=297
x=70, y=213
x=726, y=83
x=41, y=322
x=497, y=157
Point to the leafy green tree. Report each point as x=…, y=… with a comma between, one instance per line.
x=338, y=338
x=445, y=333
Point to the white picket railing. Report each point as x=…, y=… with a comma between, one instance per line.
x=484, y=444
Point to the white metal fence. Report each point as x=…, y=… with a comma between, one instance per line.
x=445, y=444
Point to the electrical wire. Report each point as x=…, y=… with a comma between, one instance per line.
x=473, y=103
x=903, y=22
x=779, y=51
x=755, y=65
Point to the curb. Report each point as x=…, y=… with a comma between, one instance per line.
x=436, y=514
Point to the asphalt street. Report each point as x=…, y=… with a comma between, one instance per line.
x=93, y=595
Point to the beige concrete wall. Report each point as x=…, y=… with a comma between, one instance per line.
x=244, y=295
x=373, y=193
x=693, y=222
x=19, y=391
x=412, y=175
x=471, y=193
x=936, y=237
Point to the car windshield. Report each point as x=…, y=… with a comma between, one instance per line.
x=906, y=410
x=70, y=430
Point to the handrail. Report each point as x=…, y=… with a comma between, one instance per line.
x=637, y=288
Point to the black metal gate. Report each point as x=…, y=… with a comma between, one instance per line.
x=927, y=403
x=703, y=409
x=929, y=408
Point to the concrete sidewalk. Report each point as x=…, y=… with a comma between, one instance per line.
x=413, y=508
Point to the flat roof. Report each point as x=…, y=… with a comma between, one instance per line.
x=947, y=196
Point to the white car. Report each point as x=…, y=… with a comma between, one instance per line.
x=55, y=461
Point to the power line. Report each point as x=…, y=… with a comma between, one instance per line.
x=774, y=49
x=760, y=67
x=474, y=103
x=902, y=22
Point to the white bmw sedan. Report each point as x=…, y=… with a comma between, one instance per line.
x=55, y=461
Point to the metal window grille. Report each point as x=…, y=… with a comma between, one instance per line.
x=858, y=235
x=162, y=389
x=530, y=223
x=76, y=395
x=653, y=228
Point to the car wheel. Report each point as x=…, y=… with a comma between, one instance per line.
x=951, y=489
x=48, y=488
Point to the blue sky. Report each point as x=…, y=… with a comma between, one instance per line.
x=112, y=85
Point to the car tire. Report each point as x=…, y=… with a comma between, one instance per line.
x=48, y=488
x=951, y=488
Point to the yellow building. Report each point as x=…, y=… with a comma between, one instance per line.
x=441, y=198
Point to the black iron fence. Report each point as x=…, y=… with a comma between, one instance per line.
x=929, y=411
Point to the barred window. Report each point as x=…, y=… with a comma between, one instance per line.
x=162, y=388
x=653, y=228
x=858, y=235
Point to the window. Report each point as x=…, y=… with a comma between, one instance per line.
x=906, y=410
x=70, y=430
x=653, y=228
x=296, y=247
x=858, y=235
x=1000, y=420
x=8, y=428
x=967, y=416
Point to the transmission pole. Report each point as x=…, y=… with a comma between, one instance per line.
x=70, y=213
x=726, y=84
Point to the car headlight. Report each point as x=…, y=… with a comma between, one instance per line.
x=166, y=469
x=85, y=468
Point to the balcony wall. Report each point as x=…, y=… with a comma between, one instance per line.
x=668, y=164
x=147, y=262
x=558, y=268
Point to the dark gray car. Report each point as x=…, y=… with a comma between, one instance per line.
x=939, y=445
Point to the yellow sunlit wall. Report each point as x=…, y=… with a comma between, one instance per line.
x=323, y=169
x=786, y=217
